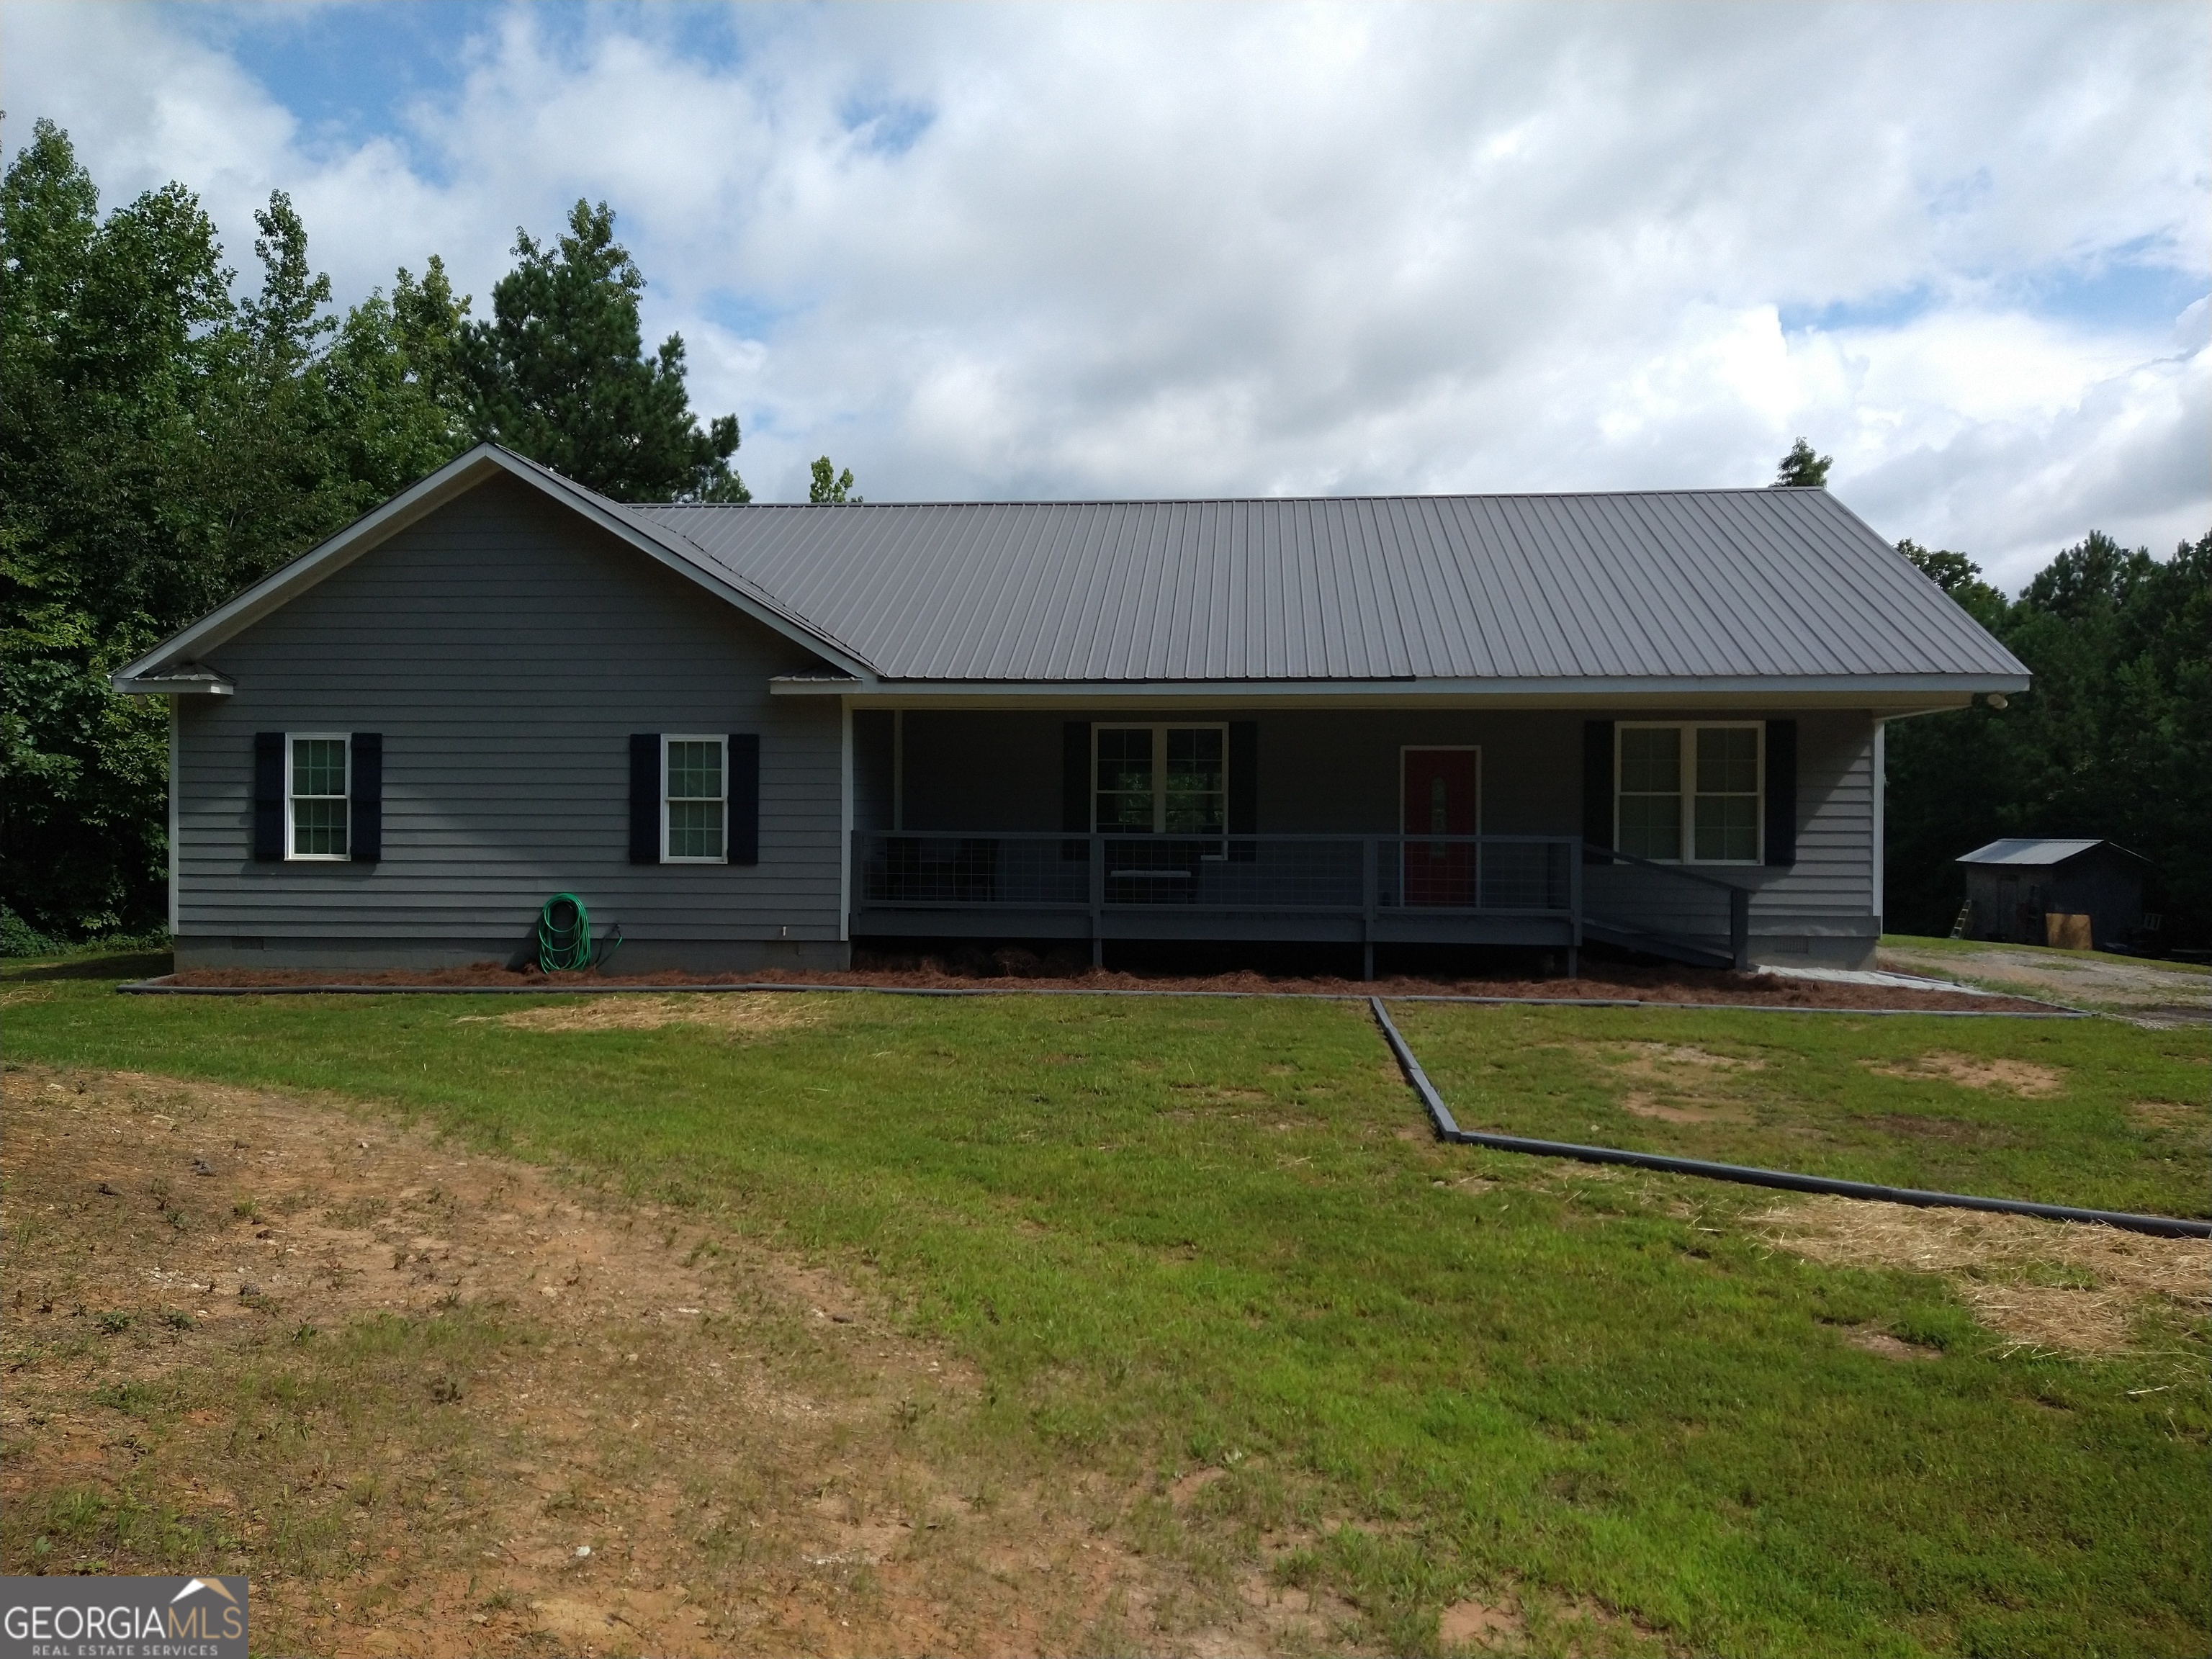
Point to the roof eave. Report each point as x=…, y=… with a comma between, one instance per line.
x=1919, y=693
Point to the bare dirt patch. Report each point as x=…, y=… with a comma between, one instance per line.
x=1885, y=1345
x=2023, y=1078
x=436, y=1402
x=1681, y=1082
x=759, y=1014
x=1640, y=1105
x=2049, y=1284
x=1478, y=1624
x=2173, y=1115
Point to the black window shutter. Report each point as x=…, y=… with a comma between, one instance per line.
x=1597, y=783
x=365, y=810
x=1244, y=787
x=1075, y=788
x=744, y=798
x=1781, y=792
x=268, y=797
x=645, y=798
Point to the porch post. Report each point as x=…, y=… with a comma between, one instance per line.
x=1575, y=908
x=1369, y=898
x=1097, y=900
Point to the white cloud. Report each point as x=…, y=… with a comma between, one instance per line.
x=1121, y=250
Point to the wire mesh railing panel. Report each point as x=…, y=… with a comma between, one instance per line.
x=1346, y=874
x=1476, y=872
x=975, y=870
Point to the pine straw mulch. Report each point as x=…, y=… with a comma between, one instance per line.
x=1019, y=970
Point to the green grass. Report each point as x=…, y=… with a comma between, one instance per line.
x=1966, y=949
x=1825, y=1095
x=1178, y=1233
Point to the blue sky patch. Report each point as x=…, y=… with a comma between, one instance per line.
x=889, y=126
x=2127, y=292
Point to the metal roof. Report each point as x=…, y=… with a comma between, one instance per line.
x=2029, y=850
x=1675, y=586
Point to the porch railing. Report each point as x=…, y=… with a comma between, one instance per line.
x=1691, y=915
x=1345, y=875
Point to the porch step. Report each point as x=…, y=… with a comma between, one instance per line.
x=1687, y=952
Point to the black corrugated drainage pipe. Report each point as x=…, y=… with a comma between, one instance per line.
x=1447, y=1128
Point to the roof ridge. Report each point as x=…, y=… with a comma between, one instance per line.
x=1247, y=501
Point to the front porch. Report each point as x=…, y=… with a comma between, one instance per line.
x=1366, y=827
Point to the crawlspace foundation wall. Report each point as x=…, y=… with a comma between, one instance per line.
x=505, y=650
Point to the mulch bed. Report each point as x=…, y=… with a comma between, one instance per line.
x=1670, y=985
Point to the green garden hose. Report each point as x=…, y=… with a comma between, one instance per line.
x=564, y=935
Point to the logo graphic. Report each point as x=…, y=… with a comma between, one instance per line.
x=207, y=1584
x=120, y=1618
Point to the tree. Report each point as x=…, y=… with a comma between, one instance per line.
x=825, y=487
x=1801, y=469
x=556, y=373
x=1959, y=576
x=2114, y=740
x=162, y=445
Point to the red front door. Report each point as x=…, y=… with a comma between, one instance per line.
x=1442, y=798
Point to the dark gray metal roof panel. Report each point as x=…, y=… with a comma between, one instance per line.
x=1673, y=585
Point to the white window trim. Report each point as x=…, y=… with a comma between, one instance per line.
x=721, y=741
x=1688, y=758
x=344, y=739
x=1405, y=749
x=1159, y=729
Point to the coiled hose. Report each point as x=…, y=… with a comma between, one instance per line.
x=564, y=936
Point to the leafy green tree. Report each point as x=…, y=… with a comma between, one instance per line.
x=557, y=374
x=1959, y=576
x=109, y=336
x=829, y=487
x=162, y=445
x=1802, y=469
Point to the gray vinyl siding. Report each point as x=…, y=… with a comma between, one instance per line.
x=506, y=649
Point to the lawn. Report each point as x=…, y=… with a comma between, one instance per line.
x=2091, y=1113
x=1177, y=1233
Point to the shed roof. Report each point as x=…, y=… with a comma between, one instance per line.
x=2039, y=853
x=1687, y=585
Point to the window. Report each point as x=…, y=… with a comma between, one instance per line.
x=1691, y=791
x=694, y=785
x=1162, y=780
x=1725, y=830
x=315, y=791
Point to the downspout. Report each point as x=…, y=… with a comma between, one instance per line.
x=845, y=822
x=1881, y=808
x=176, y=753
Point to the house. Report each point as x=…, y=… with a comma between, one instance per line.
x=2080, y=894
x=753, y=735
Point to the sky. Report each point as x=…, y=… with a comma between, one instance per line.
x=974, y=252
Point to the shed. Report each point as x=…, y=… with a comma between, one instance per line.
x=2082, y=894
